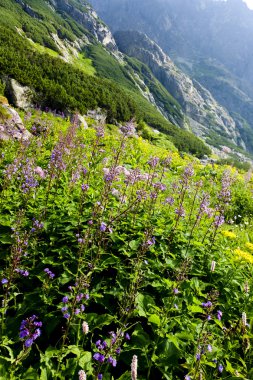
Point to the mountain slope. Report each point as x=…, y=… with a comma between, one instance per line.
x=60, y=80
x=210, y=40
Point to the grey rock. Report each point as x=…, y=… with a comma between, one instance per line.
x=200, y=107
x=20, y=96
x=12, y=126
x=90, y=20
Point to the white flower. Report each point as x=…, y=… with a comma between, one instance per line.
x=134, y=368
x=85, y=327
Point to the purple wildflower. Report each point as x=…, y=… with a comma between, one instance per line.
x=127, y=336
x=28, y=343
x=65, y=299
x=220, y=368
x=49, y=273
x=103, y=227
x=175, y=291
x=100, y=376
x=4, y=281
x=219, y=220
x=198, y=356
x=99, y=357
x=209, y=348
x=66, y=315
x=219, y=314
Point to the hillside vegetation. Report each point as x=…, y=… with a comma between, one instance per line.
x=112, y=248
x=64, y=87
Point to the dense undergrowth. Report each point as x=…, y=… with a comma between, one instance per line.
x=112, y=248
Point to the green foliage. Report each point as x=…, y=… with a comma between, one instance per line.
x=59, y=85
x=100, y=212
x=2, y=88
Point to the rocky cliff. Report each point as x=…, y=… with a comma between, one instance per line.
x=202, y=110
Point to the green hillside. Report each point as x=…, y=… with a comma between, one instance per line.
x=66, y=86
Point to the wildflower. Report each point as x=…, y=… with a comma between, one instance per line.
x=153, y=162
x=103, y=227
x=49, y=273
x=244, y=255
x=219, y=314
x=23, y=272
x=82, y=375
x=4, y=281
x=85, y=187
x=118, y=350
x=99, y=357
x=112, y=361
x=213, y=264
x=220, y=368
x=127, y=336
x=29, y=330
x=180, y=212
x=65, y=299
x=100, y=376
x=207, y=304
x=187, y=377
x=38, y=170
x=209, y=348
x=229, y=234
x=85, y=327
x=244, y=319
x=28, y=343
x=175, y=291
x=219, y=220
x=134, y=365
x=198, y=356
x=66, y=315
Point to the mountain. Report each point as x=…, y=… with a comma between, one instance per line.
x=209, y=40
x=68, y=59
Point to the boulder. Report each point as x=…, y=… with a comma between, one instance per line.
x=11, y=125
x=20, y=96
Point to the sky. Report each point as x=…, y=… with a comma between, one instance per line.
x=249, y=3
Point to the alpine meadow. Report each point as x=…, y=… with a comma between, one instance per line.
x=126, y=197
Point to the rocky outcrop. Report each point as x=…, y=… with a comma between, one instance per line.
x=29, y=10
x=89, y=19
x=11, y=125
x=202, y=110
x=20, y=96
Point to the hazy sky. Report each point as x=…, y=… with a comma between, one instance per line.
x=249, y=3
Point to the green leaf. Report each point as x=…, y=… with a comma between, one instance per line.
x=154, y=318
x=85, y=358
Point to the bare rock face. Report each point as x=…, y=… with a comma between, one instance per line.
x=89, y=19
x=20, y=96
x=203, y=111
x=11, y=125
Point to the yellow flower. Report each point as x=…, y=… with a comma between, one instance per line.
x=229, y=234
x=244, y=255
x=249, y=246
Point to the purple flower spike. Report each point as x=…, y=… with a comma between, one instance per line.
x=198, y=356
x=100, y=376
x=219, y=314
